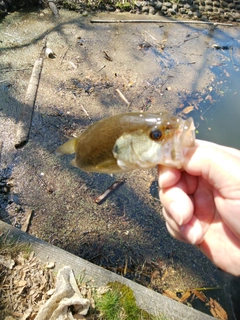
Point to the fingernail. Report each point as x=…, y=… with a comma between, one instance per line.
x=176, y=212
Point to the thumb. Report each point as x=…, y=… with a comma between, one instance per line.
x=218, y=165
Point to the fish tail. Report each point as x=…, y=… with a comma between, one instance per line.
x=67, y=148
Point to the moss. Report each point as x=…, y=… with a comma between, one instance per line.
x=120, y=303
x=126, y=6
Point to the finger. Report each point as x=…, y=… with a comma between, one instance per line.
x=215, y=165
x=167, y=177
x=229, y=150
x=172, y=226
x=191, y=232
x=177, y=203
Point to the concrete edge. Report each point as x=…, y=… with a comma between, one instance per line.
x=148, y=300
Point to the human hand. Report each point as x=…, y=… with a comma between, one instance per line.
x=202, y=202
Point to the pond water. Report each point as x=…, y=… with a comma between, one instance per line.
x=218, y=115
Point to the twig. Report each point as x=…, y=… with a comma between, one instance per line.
x=85, y=111
x=123, y=97
x=63, y=54
x=25, y=226
x=101, y=68
x=100, y=199
x=162, y=21
x=25, y=121
x=106, y=56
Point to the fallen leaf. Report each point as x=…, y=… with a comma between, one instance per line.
x=154, y=275
x=185, y=296
x=188, y=109
x=217, y=310
x=171, y=295
x=200, y=295
x=22, y=283
x=7, y=262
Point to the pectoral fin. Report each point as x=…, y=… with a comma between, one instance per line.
x=108, y=166
x=67, y=148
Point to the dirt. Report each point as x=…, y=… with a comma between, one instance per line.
x=156, y=67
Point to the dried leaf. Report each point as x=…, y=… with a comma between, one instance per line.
x=185, y=296
x=188, y=109
x=7, y=262
x=21, y=283
x=171, y=295
x=200, y=295
x=154, y=275
x=217, y=310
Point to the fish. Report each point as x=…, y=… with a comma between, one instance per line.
x=129, y=141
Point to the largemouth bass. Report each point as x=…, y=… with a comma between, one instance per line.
x=131, y=141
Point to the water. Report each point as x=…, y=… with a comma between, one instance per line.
x=218, y=116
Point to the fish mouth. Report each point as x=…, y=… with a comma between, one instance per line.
x=183, y=138
x=187, y=138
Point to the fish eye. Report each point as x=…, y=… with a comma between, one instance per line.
x=156, y=134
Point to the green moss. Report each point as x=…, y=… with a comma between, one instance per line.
x=119, y=303
x=109, y=305
x=126, y=6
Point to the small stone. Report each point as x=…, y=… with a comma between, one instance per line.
x=216, y=4
x=197, y=14
x=224, y=4
x=158, y=6
x=172, y=11
x=164, y=8
x=145, y=9
x=182, y=11
x=152, y=10
x=204, y=18
x=50, y=265
x=187, y=6
x=85, y=13
x=110, y=8
x=190, y=14
x=209, y=8
x=168, y=4
x=175, y=7
x=231, y=5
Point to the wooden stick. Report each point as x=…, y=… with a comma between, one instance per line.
x=25, y=121
x=106, y=193
x=123, y=97
x=162, y=21
x=25, y=226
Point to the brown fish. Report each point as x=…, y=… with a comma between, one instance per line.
x=131, y=141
